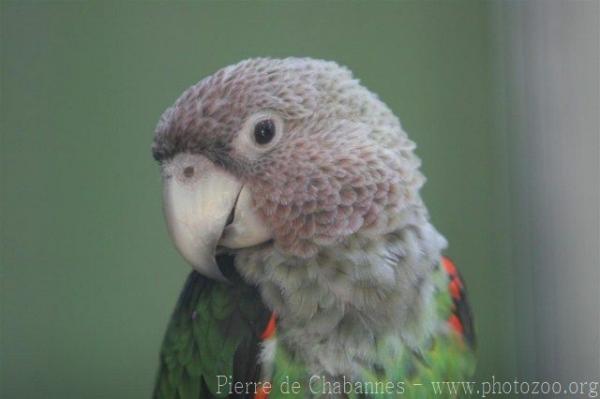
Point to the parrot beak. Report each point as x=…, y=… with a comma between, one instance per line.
x=206, y=207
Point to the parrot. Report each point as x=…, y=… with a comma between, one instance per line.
x=293, y=192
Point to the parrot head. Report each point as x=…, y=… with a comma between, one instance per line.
x=292, y=154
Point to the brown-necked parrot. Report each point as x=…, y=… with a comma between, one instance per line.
x=293, y=192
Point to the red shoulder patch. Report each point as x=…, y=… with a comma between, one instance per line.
x=270, y=329
x=460, y=319
x=261, y=393
x=449, y=266
x=268, y=332
x=455, y=323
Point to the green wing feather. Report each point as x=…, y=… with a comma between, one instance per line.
x=214, y=331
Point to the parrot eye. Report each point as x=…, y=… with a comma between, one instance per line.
x=259, y=134
x=264, y=131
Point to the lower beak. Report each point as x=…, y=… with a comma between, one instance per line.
x=206, y=207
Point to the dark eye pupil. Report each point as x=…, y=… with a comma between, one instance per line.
x=264, y=131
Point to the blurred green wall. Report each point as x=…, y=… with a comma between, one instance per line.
x=88, y=275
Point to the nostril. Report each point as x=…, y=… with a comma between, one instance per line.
x=189, y=171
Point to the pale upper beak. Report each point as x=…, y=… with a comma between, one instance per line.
x=206, y=207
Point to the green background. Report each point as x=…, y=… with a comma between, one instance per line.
x=88, y=274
